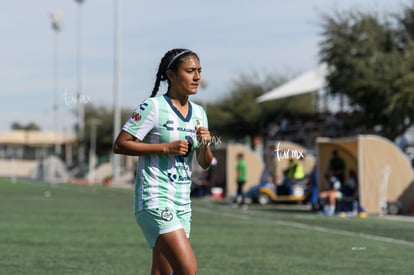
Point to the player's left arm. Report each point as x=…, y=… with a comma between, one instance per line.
x=203, y=152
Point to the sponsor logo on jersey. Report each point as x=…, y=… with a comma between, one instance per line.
x=172, y=177
x=188, y=130
x=136, y=116
x=179, y=179
x=142, y=106
x=169, y=126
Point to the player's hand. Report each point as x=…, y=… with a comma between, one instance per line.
x=203, y=136
x=178, y=147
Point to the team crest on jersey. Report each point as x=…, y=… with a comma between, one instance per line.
x=166, y=214
x=136, y=116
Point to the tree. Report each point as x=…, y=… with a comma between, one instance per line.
x=104, y=130
x=31, y=126
x=372, y=64
x=237, y=115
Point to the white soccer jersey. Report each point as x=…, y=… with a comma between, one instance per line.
x=164, y=180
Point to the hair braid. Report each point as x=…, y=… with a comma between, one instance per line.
x=163, y=67
x=156, y=86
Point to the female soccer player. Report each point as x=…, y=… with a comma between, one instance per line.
x=165, y=131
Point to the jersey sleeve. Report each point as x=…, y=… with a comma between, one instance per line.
x=141, y=121
x=204, y=117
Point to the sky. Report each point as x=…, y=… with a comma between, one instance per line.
x=231, y=37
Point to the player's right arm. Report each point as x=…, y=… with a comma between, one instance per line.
x=127, y=144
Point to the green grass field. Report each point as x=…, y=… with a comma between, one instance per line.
x=66, y=229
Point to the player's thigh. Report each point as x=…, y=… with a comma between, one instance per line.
x=176, y=248
x=160, y=264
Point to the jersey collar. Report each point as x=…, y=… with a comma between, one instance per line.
x=190, y=109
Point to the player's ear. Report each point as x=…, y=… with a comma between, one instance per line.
x=170, y=75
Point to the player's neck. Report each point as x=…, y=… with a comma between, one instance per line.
x=180, y=103
x=178, y=100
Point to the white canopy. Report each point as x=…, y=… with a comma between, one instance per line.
x=307, y=82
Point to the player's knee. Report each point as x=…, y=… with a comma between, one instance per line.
x=189, y=268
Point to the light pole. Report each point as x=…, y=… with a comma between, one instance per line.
x=92, y=150
x=80, y=109
x=56, y=19
x=117, y=112
x=203, y=85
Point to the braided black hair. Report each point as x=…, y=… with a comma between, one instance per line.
x=170, y=61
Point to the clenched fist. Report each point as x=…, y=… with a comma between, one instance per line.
x=203, y=135
x=178, y=147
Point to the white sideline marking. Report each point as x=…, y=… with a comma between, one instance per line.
x=313, y=228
